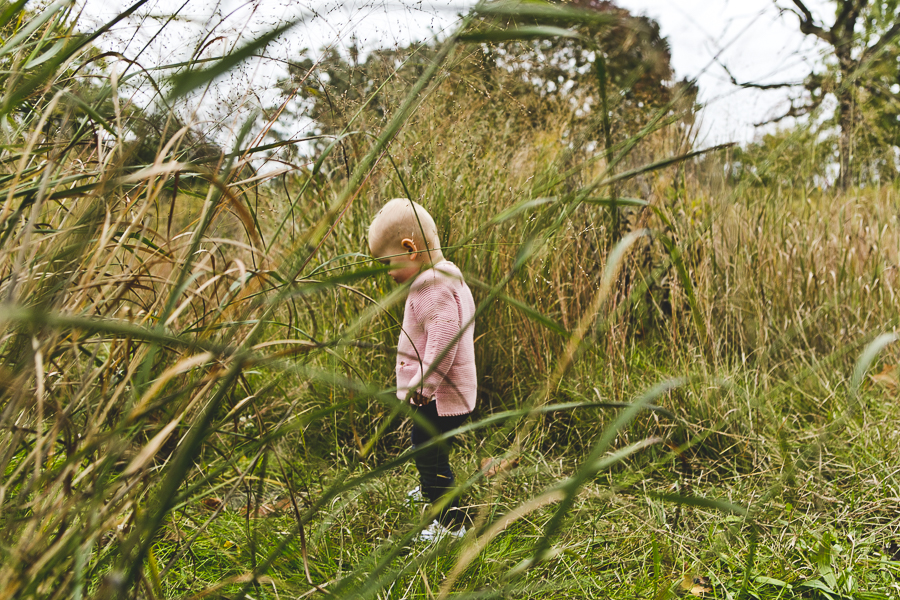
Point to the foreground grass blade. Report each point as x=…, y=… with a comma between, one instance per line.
x=15, y=42
x=193, y=79
x=545, y=11
x=871, y=352
x=518, y=33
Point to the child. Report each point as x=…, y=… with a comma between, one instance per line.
x=435, y=362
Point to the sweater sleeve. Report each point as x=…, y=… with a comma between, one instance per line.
x=438, y=310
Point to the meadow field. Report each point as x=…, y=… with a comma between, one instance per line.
x=688, y=379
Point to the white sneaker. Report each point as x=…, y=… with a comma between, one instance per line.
x=414, y=496
x=436, y=532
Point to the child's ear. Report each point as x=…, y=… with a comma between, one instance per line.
x=410, y=246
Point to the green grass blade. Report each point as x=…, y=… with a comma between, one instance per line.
x=540, y=10
x=10, y=11
x=184, y=83
x=588, y=468
x=53, y=51
x=868, y=356
x=15, y=42
x=525, y=309
x=524, y=32
x=48, y=70
x=613, y=202
x=713, y=503
x=687, y=283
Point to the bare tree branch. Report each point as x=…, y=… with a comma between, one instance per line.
x=849, y=12
x=808, y=27
x=758, y=86
x=807, y=15
x=793, y=111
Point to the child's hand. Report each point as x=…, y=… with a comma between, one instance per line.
x=418, y=399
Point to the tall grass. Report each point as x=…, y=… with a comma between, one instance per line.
x=196, y=356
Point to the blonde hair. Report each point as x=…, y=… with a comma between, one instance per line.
x=399, y=219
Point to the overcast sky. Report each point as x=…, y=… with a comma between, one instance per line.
x=752, y=38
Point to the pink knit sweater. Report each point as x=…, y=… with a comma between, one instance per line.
x=438, y=306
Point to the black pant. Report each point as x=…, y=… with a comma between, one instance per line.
x=435, y=474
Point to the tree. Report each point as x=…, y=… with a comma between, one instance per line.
x=863, y=39
x=860, y=33
x=877, y=135
x=538, y=75
x=636, y=63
